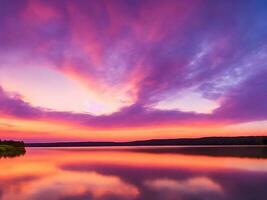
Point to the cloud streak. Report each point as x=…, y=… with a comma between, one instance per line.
x=132, y=55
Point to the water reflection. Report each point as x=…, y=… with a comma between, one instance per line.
x=12, y=154
x=166, y=173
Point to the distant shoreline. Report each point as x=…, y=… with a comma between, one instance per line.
x=205, y=141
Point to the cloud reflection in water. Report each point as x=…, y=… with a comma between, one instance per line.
x=118, y=174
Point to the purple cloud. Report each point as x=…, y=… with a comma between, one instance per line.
x=154, y=49
x=248, y=102
x=14, y=106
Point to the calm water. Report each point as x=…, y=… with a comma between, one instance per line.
x=166, y=173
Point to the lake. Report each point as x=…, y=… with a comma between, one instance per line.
x=141, y=173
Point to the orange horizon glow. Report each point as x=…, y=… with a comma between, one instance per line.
x=47, y=130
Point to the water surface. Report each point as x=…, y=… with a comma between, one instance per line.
x=141, y=173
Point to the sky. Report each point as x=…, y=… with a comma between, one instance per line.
x=121, y=70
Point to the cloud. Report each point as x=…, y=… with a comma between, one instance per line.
x=135, y=115
x=134, y=55
x=11, y=104
x=246, y=102
x=241, y=107
x=186, y=189
x=93, y=185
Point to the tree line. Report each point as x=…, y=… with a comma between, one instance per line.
x=12, y=143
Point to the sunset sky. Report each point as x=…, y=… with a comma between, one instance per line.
x=77, y=70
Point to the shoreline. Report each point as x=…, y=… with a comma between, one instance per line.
x=206, y=141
